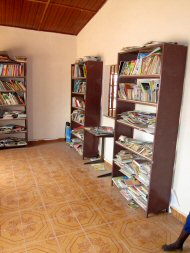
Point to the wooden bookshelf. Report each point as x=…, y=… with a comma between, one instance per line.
x=92, y=98
x=173, y=61
x=7, y=76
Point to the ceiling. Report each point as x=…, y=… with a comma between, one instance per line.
x=60, y=16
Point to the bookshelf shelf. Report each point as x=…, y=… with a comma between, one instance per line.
x=121, y=77
x=21, y=132
x=78, y=93
x=77, y=136
x=88, y=90
x=133, y=151
x=145, y=129
x=12, y=119
x=172, y=60
x=13, y=91
x=137, y=102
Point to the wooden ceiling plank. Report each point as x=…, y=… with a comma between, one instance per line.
x=44, y=13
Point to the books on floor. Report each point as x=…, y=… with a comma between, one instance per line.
x=146, y=90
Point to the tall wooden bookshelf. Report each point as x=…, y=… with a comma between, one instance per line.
x=13, y=103
x=173, y=61
x=90, y=75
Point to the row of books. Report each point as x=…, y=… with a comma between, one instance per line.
x=12, y=85
x=79, y=132
x=146, y=90
x=79, y=86
x=78, y=116
x=78, y=70
x=11, y=128
x=77, y=144
x=13, y=70
x=78, y=102
x=12, y=114
x=12, y=142
x=143, y=148
x=133, y=166
x=145, y=120
x=11, y=99
x=145, y=64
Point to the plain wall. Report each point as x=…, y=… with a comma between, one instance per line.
x=48, y=77
x=133, y=23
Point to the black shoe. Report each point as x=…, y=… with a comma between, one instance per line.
x=172, y=247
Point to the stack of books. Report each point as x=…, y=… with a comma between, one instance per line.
x=78, y=116
x=79, y=86
x=101, y=130
x=145, y=64
x=12, y=85
x=12, y=70
x=77, y=144
x=12, y=115
x=143, y=148
x=12, y=142
x=78, y=102
x=79, y=132
x=11, y=99
x=146, y=90
x=145, y=120
x=11, y=129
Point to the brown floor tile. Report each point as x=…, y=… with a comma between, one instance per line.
x=65, y=224
x=59, y=210
x=33, y=216
x=104, y=240
x=47, y=246
x=40, y=231
x=75, y=243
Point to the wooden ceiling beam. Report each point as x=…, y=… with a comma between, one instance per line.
x=44, y=13
x=63, y=5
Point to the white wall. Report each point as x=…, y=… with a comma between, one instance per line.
x=133, y=23
x=48, y=77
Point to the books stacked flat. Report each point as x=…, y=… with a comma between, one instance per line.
x=77, y=144
x=101, y=130
x=12, y=142
x=78, y=116
x=140, y=119
x=12, y=85
x=78, y=132
x=13, y=115
x=79, y=86
x=143, y=148
x=11, y=129
x=145, y=64
x=12, y=70
x=146, y=90
x=78, y=102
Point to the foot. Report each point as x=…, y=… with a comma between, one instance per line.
x=172, y=247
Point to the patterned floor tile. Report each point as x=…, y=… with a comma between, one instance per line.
x=47, y=246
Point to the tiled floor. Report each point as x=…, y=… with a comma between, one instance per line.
x=52, y=203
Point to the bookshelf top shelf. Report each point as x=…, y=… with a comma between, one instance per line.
x=138, y=76
x=78, y=93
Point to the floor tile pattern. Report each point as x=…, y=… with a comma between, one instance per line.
x=50, y=202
